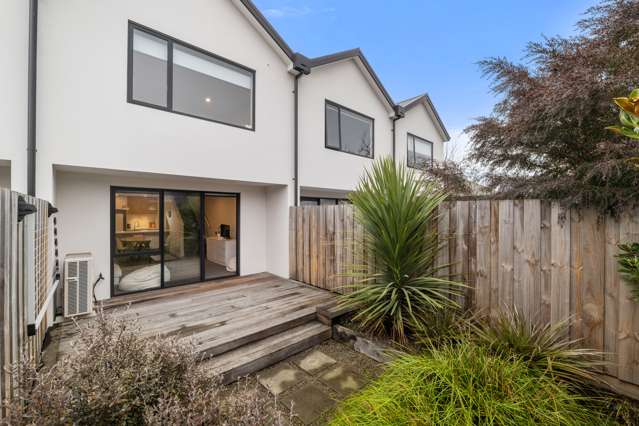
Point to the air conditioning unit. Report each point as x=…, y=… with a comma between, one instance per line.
x=78, y=284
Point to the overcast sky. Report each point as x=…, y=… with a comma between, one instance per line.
x=432, y=46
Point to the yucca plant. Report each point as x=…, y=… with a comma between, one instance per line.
x=397, y=210
x=628, y=261
x=544, y=348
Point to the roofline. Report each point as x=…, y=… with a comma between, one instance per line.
x=271, y=31
x=303, y=64
x=425, y=99
x=351, y=54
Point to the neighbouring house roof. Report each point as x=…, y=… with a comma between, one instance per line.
x=354, y=54
x=303, y=64
x=424, y=99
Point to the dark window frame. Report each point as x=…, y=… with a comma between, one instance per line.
x=112, y=251
x=169, y=102
x=318, y=199
x=408, y=150
x=339, y=128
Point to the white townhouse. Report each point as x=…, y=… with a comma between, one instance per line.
x=173, y=136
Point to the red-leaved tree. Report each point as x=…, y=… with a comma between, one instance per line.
x=546, y=137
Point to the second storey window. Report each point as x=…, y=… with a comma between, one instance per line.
x=174, y=76
x=348, y=131
x=420, y=152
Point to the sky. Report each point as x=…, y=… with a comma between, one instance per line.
x=432, y=46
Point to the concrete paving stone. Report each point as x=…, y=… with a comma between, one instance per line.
x=315, y=361
x=280, y=378
x=309, y=402
x=342, y=380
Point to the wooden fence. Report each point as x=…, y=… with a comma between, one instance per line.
x=548, y=262
x=26, y=281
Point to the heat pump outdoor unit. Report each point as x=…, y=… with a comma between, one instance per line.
x=78, y=283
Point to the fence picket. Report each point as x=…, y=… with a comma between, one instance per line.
x=611, y=301
x=483, y=252
x=552, y=263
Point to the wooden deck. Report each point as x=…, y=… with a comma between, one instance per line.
x=257, y=315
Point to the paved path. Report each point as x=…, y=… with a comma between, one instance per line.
x=315, y=380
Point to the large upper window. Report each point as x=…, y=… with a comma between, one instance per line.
x=174, y=76
x=348, y=131
x=420, y=152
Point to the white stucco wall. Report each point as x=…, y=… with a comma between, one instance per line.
x=277, y=226
x=418, y=122
x=345, y=84
x=83, y=200
x=85, y=120
x=14, y=33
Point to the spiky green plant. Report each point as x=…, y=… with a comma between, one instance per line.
x=545, y=348
x=397, y=210
x=628, y=261
x=465, y=384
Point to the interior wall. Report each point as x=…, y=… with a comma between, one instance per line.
x=84, y=218
x=220, y=210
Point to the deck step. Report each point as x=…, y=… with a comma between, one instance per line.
x=235, y=335
x=263, y=353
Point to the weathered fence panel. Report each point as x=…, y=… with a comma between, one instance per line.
x=26, y=282
x=550, y=263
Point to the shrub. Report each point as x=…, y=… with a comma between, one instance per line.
x=397, y=210
x=464, y=384
x=628, y=260
x=117, y=377
x=445, y=327
x=628, y=116
x=544, y=348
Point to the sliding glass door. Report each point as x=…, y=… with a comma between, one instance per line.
x=136, y=241
x=182, y=235
x=162, y=238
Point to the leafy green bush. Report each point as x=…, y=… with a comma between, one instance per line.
x=397, y=210
x=628, y=115
x=464, y=384
x=116, y=377
x=628, y=260
x=544, y=348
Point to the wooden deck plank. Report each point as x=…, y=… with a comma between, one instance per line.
x=232, y=315
x=217, y=316
x=195, y=288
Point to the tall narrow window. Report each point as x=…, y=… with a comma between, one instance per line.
x=420, y=152
x=150, y=55
x=348, y=131
x=168, y=74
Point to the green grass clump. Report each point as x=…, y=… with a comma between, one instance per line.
x=543, y=347
x=464, y=384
